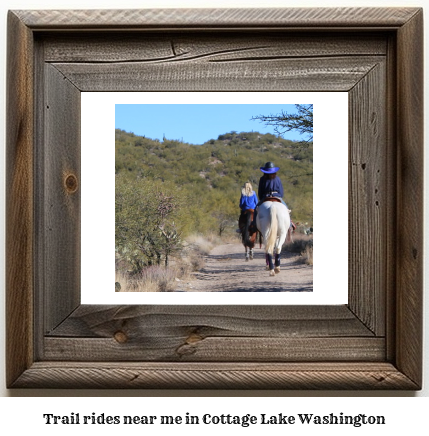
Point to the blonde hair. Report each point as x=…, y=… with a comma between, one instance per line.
x=247, y=189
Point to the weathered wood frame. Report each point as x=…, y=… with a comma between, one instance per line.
x=375, y=342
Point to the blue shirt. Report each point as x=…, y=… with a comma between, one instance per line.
x=248, y=202
x=270, y=187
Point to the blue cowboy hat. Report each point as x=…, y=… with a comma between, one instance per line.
x=269, y=168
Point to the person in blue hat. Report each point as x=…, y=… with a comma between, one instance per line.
x=270, y=185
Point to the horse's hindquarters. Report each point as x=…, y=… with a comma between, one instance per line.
x=248, y=240
x=265, y=217
x=273, y=221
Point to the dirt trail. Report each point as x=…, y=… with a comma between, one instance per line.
x=226, y=270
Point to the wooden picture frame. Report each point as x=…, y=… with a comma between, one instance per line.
x=374, y=342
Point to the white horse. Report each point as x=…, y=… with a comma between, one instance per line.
x=273, y=221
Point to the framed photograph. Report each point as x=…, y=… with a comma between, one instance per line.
x=204, y=172
x=56, y=58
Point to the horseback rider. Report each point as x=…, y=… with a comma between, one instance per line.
x=270, y=185
x=248, y=200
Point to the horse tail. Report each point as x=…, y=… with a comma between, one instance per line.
x=272, y=233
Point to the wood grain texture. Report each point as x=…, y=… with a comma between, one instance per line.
x=106, y=375
x=61, y=205
x=330, y=74
x=179, y=347
x=207, y=18
x=213, y=333
x=391, y=193
x=238, y=321
x=179, y=46
x=374, y=343
x=409, y=273
x=19, y=200
x=368, y=201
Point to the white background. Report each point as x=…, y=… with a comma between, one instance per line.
x=25, y=414
x=330, y=193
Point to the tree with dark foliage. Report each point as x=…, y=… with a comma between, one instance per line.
x=301, y=121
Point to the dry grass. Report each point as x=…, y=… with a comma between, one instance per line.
x=307, y=254
x=164, y=279
x=200, y=244
x=151, y=279
x=302, y=244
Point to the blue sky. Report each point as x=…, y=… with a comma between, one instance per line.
x=196, y=123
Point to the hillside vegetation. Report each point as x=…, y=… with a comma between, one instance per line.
x=176, y=188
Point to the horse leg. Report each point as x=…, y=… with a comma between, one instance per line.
x=251, y=253
x=246, y=254
x=277, y=263
x=270, y=263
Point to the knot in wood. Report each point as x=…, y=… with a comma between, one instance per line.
x=70, y=183
x=193, y=338
x=120, y=337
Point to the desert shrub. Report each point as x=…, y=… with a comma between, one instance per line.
x=148, y=227
x=159, y=278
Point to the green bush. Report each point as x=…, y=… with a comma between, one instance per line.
x=148, y=226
